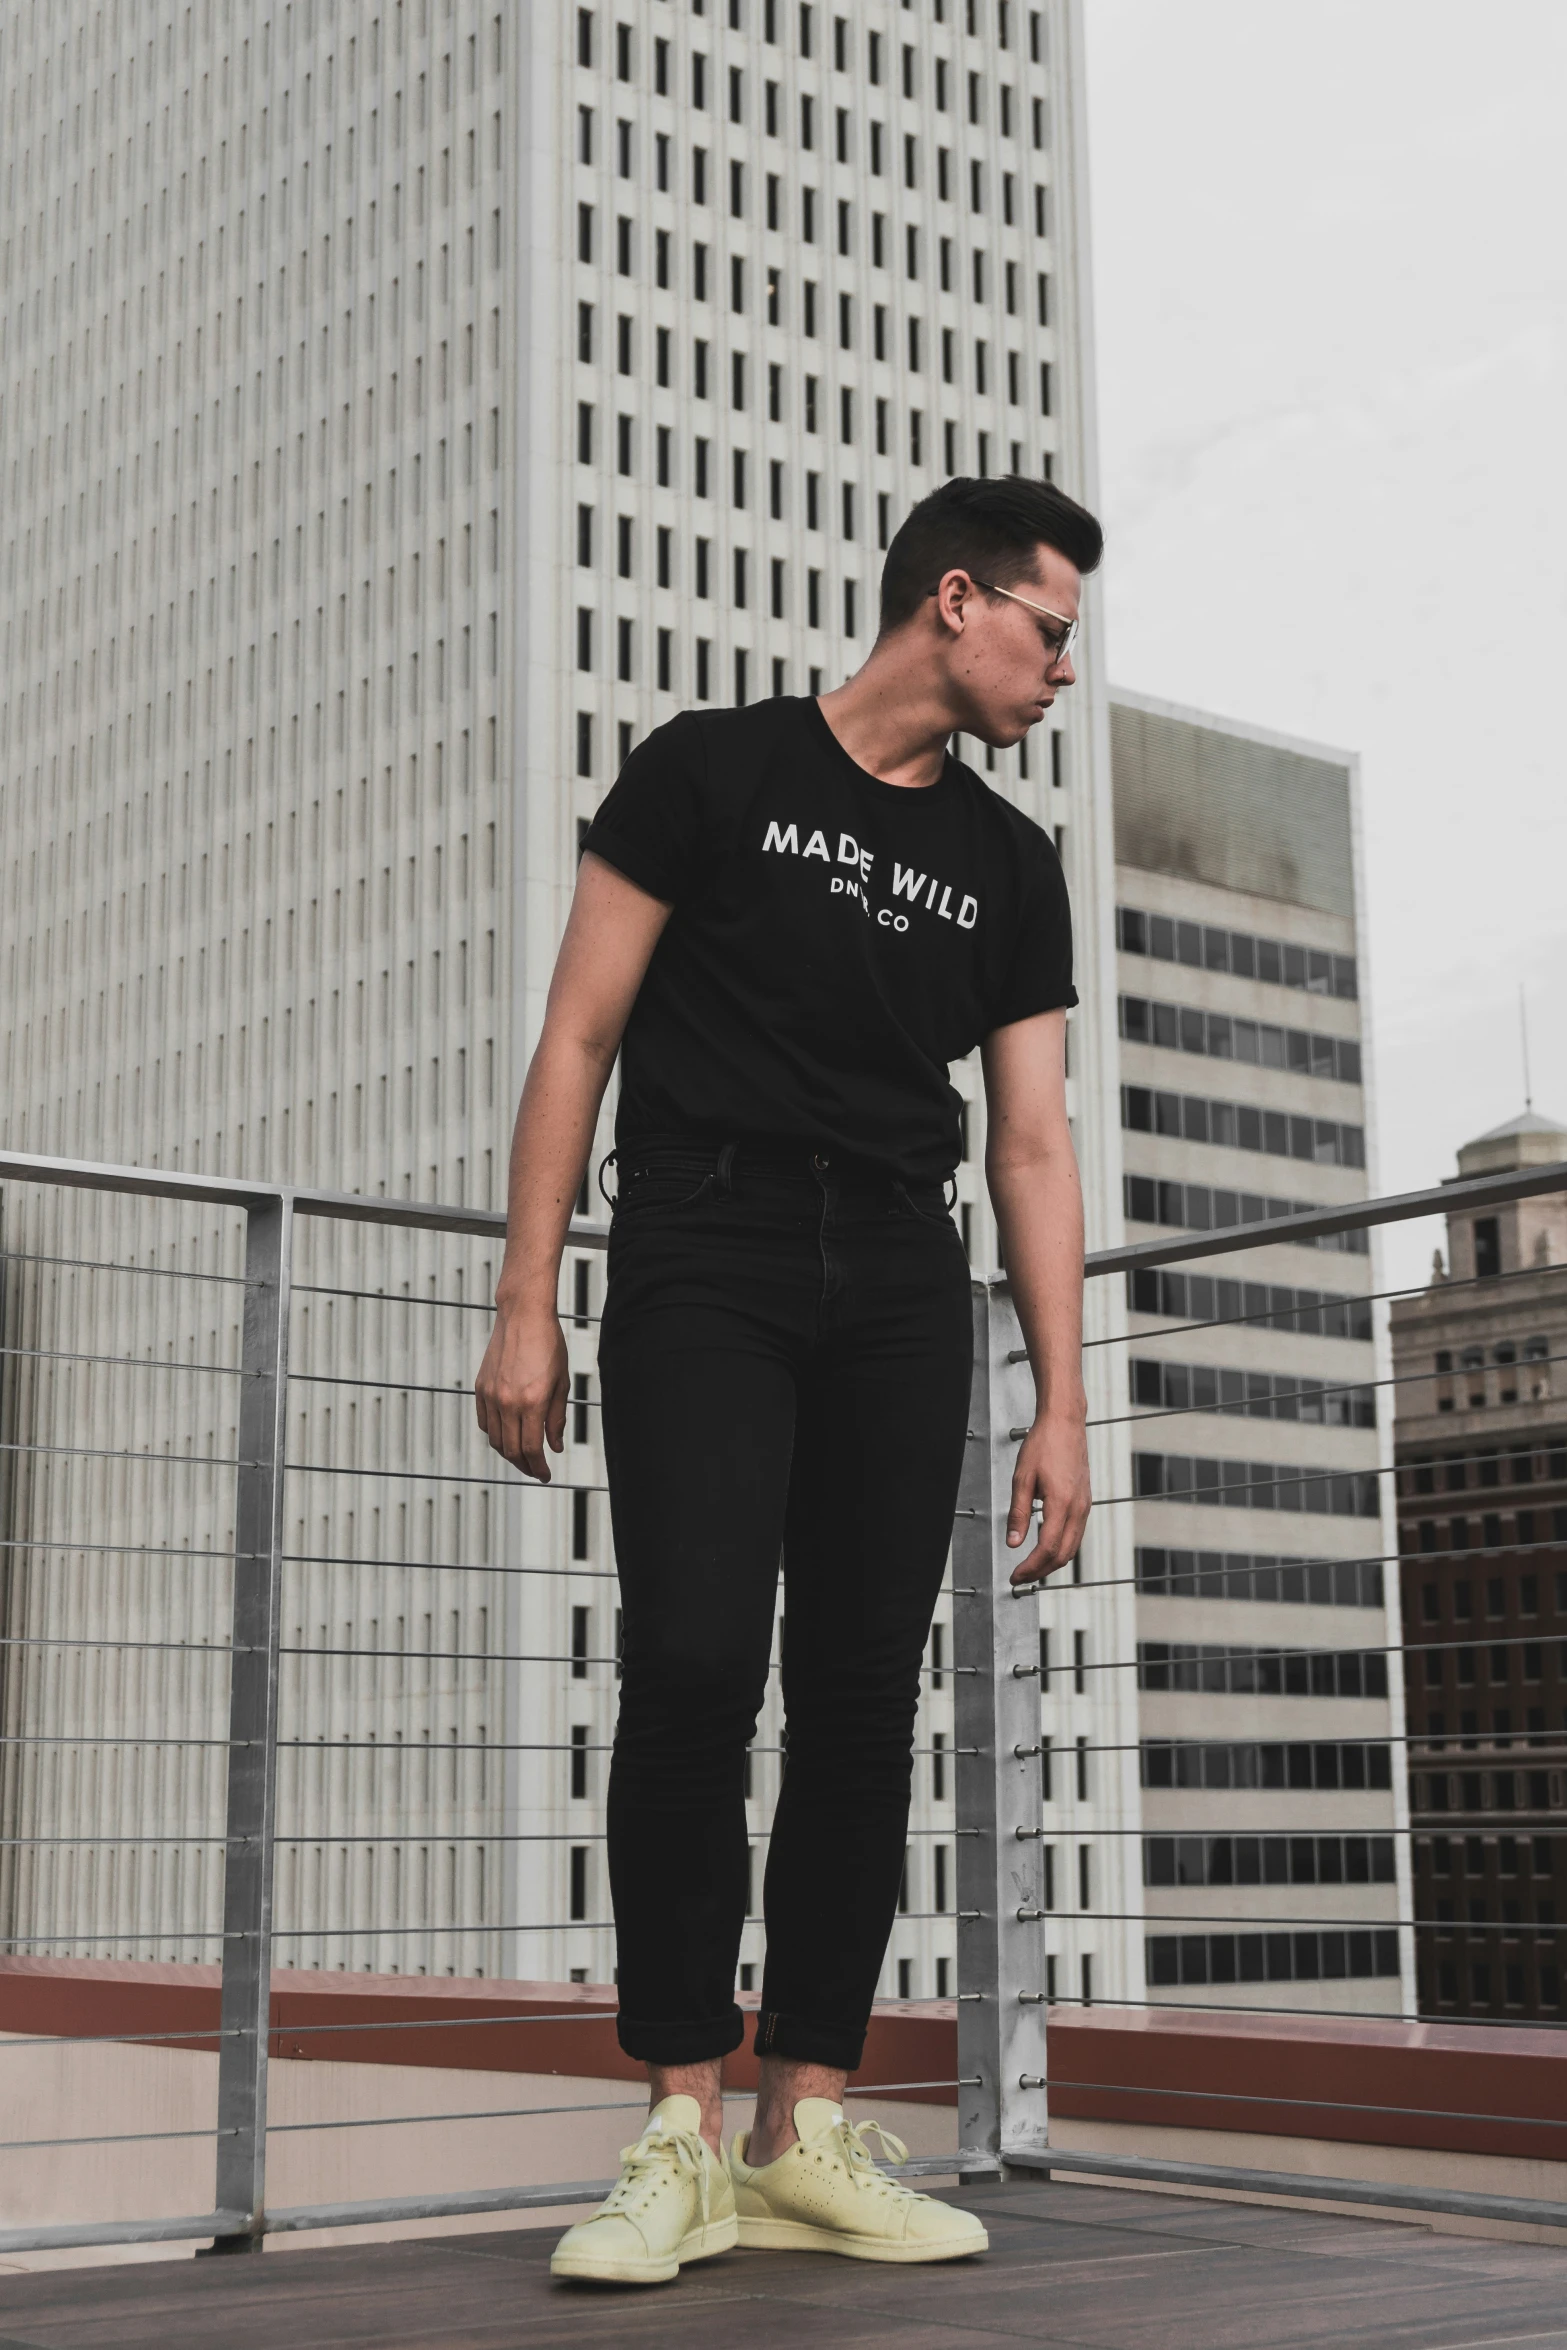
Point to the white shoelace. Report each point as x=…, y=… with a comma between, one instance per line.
x=862, y=2163
x=653, y=2152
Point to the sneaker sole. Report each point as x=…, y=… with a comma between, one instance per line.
x=720, y=2235
x=795, y=2235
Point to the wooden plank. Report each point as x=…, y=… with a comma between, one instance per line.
x=1082, y=2266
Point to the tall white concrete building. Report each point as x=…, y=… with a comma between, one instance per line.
x=1275, y=1848
x=403, y=408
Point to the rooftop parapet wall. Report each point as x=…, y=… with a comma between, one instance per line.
x=1360, y=2081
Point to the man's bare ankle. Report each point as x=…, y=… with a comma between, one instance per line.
x=701, y=2082
x=783, y=2084
x=770, y=2139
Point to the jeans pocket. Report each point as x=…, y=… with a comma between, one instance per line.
x=930, y=1208
x=667, y=1188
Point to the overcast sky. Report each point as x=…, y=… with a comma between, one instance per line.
x=1329, y=275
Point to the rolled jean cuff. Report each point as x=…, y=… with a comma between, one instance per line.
x=836, y=2045
x=680, y=2042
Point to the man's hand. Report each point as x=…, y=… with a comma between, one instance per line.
x=522, y=1387
x=1052, y=1466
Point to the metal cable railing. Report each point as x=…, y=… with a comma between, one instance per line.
x=1075, y=1850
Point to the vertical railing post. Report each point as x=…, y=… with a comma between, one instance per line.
x=253, y=1699
x=995, y=1641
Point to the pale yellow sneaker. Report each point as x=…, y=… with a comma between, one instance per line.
x=825, y=2194
x=673, y=2202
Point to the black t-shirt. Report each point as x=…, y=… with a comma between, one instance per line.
x=836, y=941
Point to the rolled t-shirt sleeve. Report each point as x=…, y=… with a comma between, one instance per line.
x=1038, y=975
x=653, y=824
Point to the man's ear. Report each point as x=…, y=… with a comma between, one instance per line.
x=955, y=597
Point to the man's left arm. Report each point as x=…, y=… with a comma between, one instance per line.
x=1031, y=1168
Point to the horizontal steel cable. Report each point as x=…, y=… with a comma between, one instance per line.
x=567, y=1314
x=11, y=1941
x=104, y=1452
x=1319, y=2013
x=1209, y=1649
x=49, y=1354
x=197, y=2031
x=1389, y=1558
x=444, y=2023
x=114, y=2039
x=1065, y=1753
x=172, y=1550
x=496, y=1656
x=356, y=1836
x=429, y=1477
x=885, y=2088
x=125, y=1647
x=1241, y=1408
x=1265, y=1923
x=1296, y=1828
x=394, y=1297
x=21, y=1256
x=118, y=1737
x=411, y=1386
x=577, y=1567
x=115, y=2138
x=513, y=1926
x=529, y=2112
x=1304, y=1476
x=349, y=1836
x=121, y=1738
x=1427, y=2113
x=573, y=1567
x=320, y=1744
x=1330, y=1302
x=497, y=2113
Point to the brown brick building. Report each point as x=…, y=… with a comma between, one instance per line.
x=1482, y=1508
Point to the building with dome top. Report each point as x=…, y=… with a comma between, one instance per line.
x=1480, y=1357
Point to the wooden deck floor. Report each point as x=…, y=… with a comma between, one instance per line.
x=1073, y=2266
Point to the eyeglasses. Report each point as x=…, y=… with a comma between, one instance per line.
x=1057, y=646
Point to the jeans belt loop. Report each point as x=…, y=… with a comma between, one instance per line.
x=723, y=1180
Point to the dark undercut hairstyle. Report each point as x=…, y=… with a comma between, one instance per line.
x=988, y=528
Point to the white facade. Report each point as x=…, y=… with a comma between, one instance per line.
x=1271, y=1709
x=387, y=395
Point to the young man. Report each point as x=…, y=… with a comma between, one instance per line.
x=789, y=920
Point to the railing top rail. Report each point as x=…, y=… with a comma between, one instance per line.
x=1476, y=1191
x=487, y=1223
x=220, y=1191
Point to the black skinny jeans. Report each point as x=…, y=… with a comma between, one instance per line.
x=784, y=1364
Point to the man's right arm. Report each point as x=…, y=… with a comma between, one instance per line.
x=521, y=1389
